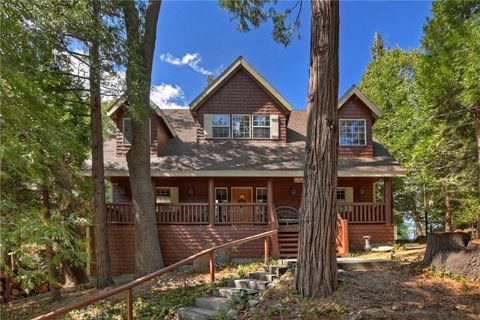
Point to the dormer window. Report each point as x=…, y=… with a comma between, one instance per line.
x=221, y=126
x=127, y=131
x=241, y=126
x=352, y=132
x=261, y=126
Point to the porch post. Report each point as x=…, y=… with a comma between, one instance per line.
x=388, y=195
x=271, y=214
x=211, y=202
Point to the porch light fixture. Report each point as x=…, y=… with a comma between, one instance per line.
x=191, y=191
x=293, y=191
x=361, y=191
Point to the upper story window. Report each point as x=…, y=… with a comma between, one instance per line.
x=261, y=126
x=221, y=126
x=352, y=132
x=241, y=126
x=127, y=131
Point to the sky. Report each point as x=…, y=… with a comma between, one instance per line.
x=197, y=38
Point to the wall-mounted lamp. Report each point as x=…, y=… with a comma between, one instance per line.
x=293, y=191
x=191, y=191
x=361, y=191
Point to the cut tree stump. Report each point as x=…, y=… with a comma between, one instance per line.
x=447, y=251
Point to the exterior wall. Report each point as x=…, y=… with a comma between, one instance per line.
x=359, y=184
x=177, y=242
x=159, y=134
x=242, y=95
x=354, y=108
x=380, y=234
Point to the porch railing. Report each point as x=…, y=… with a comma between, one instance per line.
x=194, y=213
x=362, y=212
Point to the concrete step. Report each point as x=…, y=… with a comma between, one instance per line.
x=266, y=276
x=254, y=284
x=278, y=270
x=213, y=303
x=194, y=313
x=228, y=292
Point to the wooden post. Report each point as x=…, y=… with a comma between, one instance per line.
x=211, y=202
x=266, y=253
x=387, y=181
x=346, y=245
x=130, y=304
x=212, y=267
x=273, y=224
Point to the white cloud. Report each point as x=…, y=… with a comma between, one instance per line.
x=189, y=59
x=167, y=96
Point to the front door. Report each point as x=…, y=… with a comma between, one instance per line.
x=242, y=213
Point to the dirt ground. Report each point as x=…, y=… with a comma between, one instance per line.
x=402, y=291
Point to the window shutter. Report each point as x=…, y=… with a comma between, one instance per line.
x=274, y=126
x=174, y=195
x=349, y=194
x=207, y=126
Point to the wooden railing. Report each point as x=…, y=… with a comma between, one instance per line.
x=182, y=213
x=241, y=213
x=128, y=288
x=121, y=213
x=362, y=212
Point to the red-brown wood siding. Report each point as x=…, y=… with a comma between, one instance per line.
x=354, y=108
x=359, y=184
x=380, y=234
x=242, y=95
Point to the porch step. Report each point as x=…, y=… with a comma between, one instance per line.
x=265, y=276
x=194, y=313
x=278, y=270
x=254, y=284
x=229, y=292
x=213, y=303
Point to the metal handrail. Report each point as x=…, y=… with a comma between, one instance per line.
x=129, y=286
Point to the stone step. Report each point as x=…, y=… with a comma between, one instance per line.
x=213, y=303
x=194, y=313
x=254, y=284
x=278, y=270
x=266, y=276
x=228, y=292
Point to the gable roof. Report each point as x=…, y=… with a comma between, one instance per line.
x=239, y=63
x=355, y=91
x=123, y=99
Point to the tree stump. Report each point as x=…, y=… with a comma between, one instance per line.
x=448, y=251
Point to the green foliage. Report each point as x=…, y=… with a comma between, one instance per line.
x=427, y=96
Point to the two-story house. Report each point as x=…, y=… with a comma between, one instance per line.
x=232, y=166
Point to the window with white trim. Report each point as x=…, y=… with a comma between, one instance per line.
x=341, y=195
x=261, y=126
x=220, y=126
x=261, y=195
x=221, y=195
x=352, y=132
x=127, y=131
x=241, y=128
x=163, y=195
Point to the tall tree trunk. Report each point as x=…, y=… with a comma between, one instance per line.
x=448, y=213
x=52, y=270
x=476, y=122
x=416, y=219
x=317, y=265
x=140, y=49
x=102, y=255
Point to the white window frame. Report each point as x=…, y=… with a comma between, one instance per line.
x=250, y=119
x=364, y=133
x=344, y=194
x=123, y=131
x=256, y=194
x=221, y=188
x=229, y=126
x=157, y=190
x=269, y=127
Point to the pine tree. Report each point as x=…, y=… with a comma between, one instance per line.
x=377, y=49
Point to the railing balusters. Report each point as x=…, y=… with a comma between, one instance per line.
x=130, y=304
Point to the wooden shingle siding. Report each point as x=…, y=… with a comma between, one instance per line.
x=354, y=108
x=242, y=95
x=159, y=134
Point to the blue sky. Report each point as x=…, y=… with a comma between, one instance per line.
x=198, y=38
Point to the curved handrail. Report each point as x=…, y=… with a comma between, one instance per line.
x=129, y=286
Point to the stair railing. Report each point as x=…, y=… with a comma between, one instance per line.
x=128, y=287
